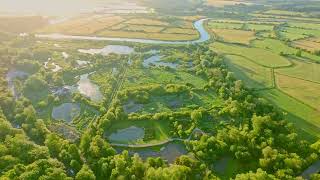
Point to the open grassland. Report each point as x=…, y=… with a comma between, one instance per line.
x=179, y=31
x=284, y=13
x=145, y=21
x=224, y=25
x=143, y=28
x=305, y=118
x=310, y=44
x=303, y=70
x=253, y=75
x=125, y=26
x=235, y=36
x=292, y=34
x=304, y=25
x=142, y=35
x=138, y=77
x=221, y=3
x=278, y=47
x=260, y=56
x=21, y=24
x=83, y=25
x=259, y=27
x=269, y=17
x=305, y=91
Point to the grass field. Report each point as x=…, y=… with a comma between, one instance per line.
x=21, y=24
x=142, y=35
x=284, y=13
x=84, y=25
x=259, y=56
x=278, y=46
x=235, y=36
x=306, y=91
x=179, y=31
x=310, y=44
x=224, y=25
x=143, y=28
x=158, y=76
x=305, y=118
x=303, y=70
x=145, y=21
x=298, y=33
x=253, y=75
x=304, y=25
x=259, y=27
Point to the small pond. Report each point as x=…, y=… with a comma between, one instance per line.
x=48, y=63
x=132, y=107
x=66, y=112
x=156, y=61
x=117, y=49
x=89, y=89
x=129, y=134
x=169, y=152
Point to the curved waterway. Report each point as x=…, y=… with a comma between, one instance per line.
x=198, y=25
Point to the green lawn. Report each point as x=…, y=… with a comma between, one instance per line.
x=260, y=56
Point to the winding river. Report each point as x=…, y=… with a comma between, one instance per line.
x=198, y=25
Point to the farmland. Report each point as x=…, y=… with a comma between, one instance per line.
x=126, y=26
x=149, y=89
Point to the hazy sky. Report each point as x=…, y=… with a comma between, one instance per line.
x=50, y=7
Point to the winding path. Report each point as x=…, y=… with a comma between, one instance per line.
x=198, y=25
x=159, y=143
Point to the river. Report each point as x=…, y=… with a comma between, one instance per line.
x=198, y=25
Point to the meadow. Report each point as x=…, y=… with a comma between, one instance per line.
x=235, y=36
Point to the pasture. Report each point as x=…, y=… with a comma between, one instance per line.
x=260, y=56
x=253, y=75
x=311, y=44
x=305, y=91
x=234, y=36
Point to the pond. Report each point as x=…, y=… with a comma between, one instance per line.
x=66, y=112
x=11, y=75
x=156, y=61
x=89, y=89
x=55, y=68
x=169, y=152
x=129, y=134
x=109, y=49
x=198, y=25
x=132, y=107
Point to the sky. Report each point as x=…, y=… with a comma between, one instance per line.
x=49, y=7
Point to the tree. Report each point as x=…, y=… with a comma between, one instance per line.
x=85, y=173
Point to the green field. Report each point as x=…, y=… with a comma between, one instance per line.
x=305, y=118
x=253, y=75
x=259, y=56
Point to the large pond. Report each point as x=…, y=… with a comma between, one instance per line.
x=130, y=134
x=10, y=77
x=117, y=49
x=89, y=89
x=66, y=112
x=156, y=61
x=168, y=152
x=198, y=25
